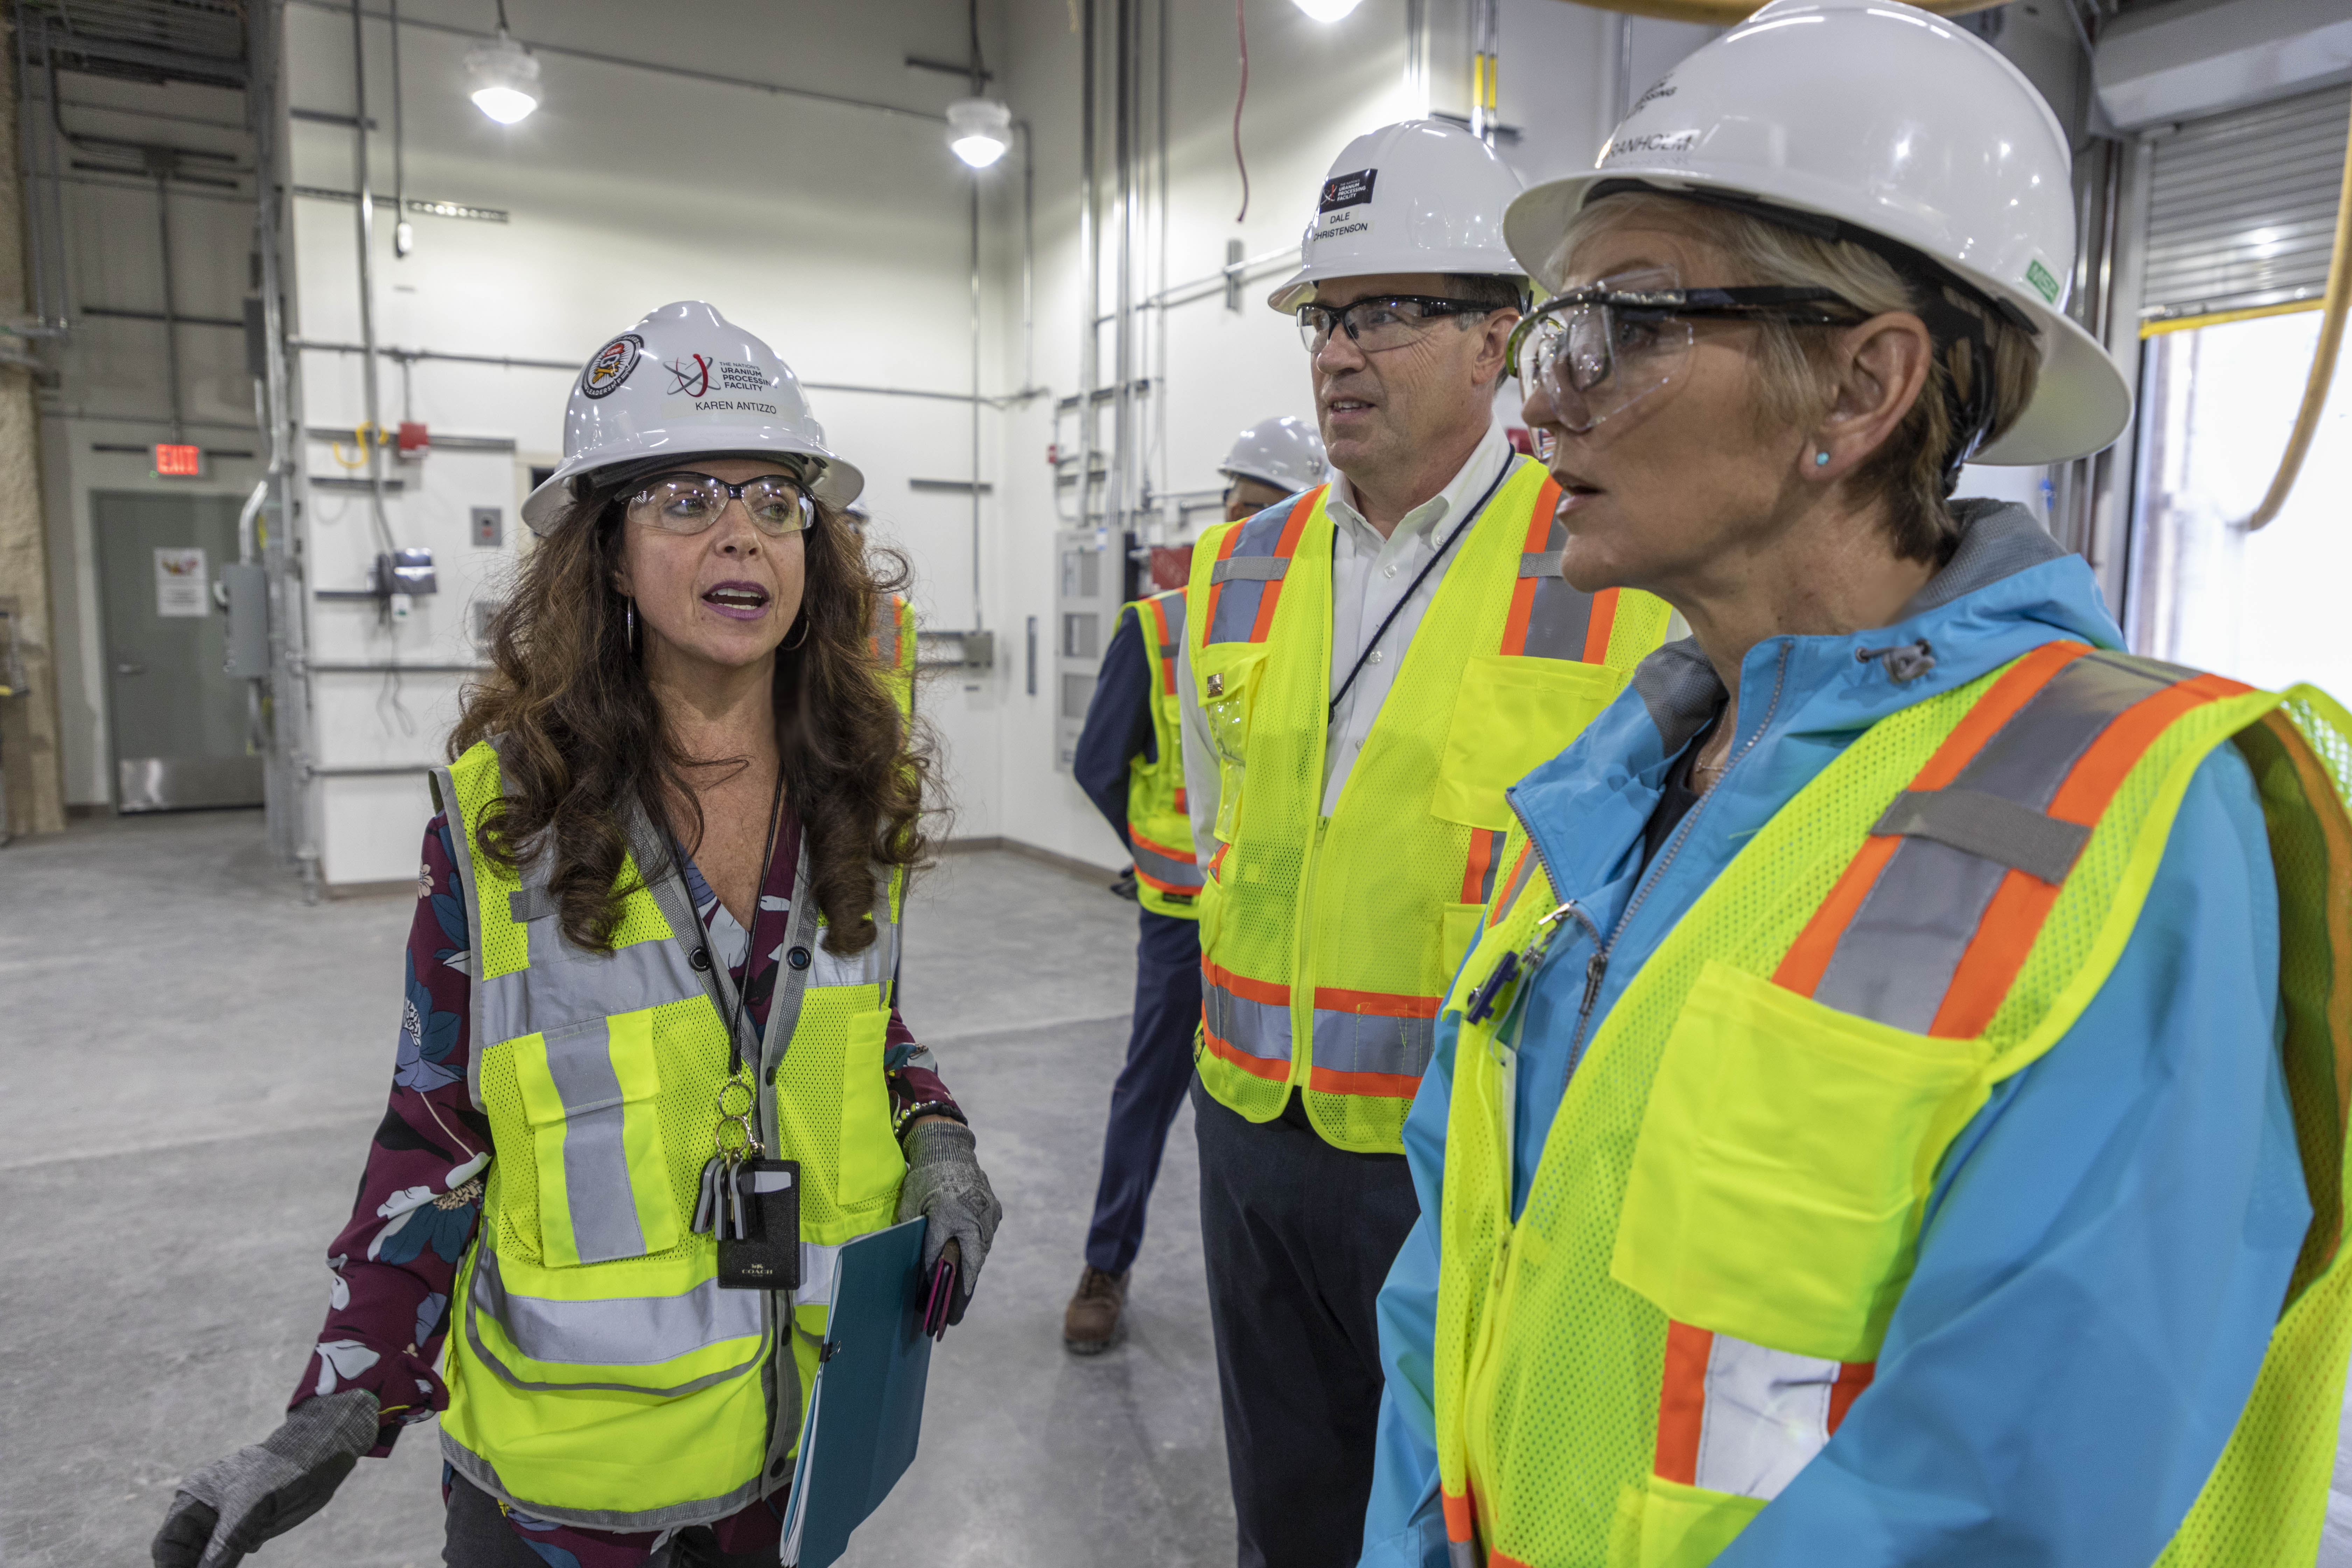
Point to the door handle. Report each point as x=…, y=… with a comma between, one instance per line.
x=129, y=670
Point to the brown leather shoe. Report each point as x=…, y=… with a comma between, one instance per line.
x=1092, y=1322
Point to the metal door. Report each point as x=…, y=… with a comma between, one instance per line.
x=181, y=727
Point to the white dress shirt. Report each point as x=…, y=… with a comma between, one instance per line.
x=1370, y=576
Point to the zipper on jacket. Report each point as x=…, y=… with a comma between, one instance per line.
x=1596, y=968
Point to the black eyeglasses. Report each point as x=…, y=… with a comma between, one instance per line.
x=1383, y=322
x=690, y=502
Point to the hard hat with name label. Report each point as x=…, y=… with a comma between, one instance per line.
x=687, y=383
x=1420, y=196
x=1895, y=122
x=1285, y=453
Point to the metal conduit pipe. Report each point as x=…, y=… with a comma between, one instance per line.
x=367, y=277
x=2323, y=359
x=1122, y=456
x=171, y=323
x=1091, y=250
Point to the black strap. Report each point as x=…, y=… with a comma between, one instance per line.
x=1427, y=566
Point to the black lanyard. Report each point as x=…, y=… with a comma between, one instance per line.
x=1414, y=587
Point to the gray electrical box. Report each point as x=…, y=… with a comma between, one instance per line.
x=1086, y=602
x=245, y=586
x=490, y=527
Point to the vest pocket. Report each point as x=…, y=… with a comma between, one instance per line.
x=1784, y=1159
x=1229, y=675
x=1511, y=715
x=870, y=1164
x=588, y=1093
x=1665, y=1524
x=1457, y=934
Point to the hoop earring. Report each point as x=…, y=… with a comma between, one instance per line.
x=631, y=611
x=804, y=631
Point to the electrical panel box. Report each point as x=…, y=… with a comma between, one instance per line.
x=245, y=586
x=1086, y=602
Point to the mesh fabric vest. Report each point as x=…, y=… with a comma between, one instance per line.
x=1166, y=874
x=1327, y=942
x=597, y=1373
x=1726, y=1207
x=894, y=645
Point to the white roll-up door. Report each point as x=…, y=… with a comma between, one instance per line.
x=2242, y=208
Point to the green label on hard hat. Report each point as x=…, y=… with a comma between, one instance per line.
x=2044, y=284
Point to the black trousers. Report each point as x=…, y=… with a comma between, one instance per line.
x=480, y=1537
x=1150, y=1086
x=1298, y=1238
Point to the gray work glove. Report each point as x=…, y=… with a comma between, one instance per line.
x=231, y=1506
x=945, y=1186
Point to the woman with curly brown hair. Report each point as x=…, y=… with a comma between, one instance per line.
x=650, y=1006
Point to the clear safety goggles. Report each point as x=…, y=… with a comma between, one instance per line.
x=1597, y=351
x=1383, y=322
x=690, y=504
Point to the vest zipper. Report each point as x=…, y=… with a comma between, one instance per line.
x=1596, y=968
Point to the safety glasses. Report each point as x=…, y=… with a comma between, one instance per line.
x=689, y=503
x=1599, y=350
x=1385, y=322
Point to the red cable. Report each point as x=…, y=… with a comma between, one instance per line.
x=1240, y=26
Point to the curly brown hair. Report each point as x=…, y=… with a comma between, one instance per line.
x=578, y=732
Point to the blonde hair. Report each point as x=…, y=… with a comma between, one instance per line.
x=1796, y=384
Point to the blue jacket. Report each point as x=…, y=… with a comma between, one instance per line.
x=2108, y=1241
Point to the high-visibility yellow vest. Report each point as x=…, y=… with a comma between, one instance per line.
x=597, y=1373
x=894, y=644
x=1327, y=942
x=1728, y=1206
x=1166, y=873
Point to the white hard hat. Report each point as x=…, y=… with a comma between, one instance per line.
x=1420, y=196
x=686, y=382
x=1285, y=453
x=1898, y=123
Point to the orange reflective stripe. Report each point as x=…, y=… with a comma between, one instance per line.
x=1383, y=1004
x=1376, y=1085
x=2013, y=919
x=1461, y=1519
x=1273, y=1070
x=1216, y=589
x=1284, y=547
x=1478, y=876
x=1853, y=1376
x=1271, y=993
x=1597, y=629
x=1183, y=856
x=1167, y=666
x=1523, y=593
x=1801, y=967
x=1682, y=1403
x=1512, y=885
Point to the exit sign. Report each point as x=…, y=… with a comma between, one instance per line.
x=175, y=461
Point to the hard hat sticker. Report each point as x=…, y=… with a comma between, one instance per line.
x=701, y=384
x=2043, y=283
x=610, y=366
x=1348, y=190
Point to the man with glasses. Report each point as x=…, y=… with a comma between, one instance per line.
x=1366, y=669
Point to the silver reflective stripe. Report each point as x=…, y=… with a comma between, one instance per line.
x=818, y=1265
x=621, y=1331
x=1895, y=960
x=1247, y=568
x=566, y=985
x=1148, y=859
x=1540, y=562
x=1558, y=614
x=886, y=629
x=1171, y=604
x=1374, y=1042
x=595, y=1163
x=1985, y=825
x=1254, y=1028
x=1767, y=1414
x=784, y=1000
x=1461, y=1554
x=534, y=903
x=1250, y=569
x=678, y=1516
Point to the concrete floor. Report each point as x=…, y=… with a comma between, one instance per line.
x=195, y=1061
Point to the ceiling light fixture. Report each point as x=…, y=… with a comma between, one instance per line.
x=506, y=76
x=1326, y=10
x=979, y=130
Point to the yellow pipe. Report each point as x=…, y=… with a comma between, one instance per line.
x=2223, y=318
x=2323, y=359
x=1729, y=13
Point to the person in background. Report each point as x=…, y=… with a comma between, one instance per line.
x=658, y=915
x=1896, y=1113
x=1130, y=763
x=1272, y=460
x=1365, y=667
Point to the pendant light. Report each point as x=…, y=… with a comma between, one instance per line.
x=506, y=76
x=979, y=130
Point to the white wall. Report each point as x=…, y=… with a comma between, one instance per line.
x=839, y=234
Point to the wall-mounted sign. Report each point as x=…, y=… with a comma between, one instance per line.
x=175, y=461
x=181, y=583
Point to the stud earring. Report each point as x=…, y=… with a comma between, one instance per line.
x=1820, y=459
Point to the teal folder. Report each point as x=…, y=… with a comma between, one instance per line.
x=866, y=1411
